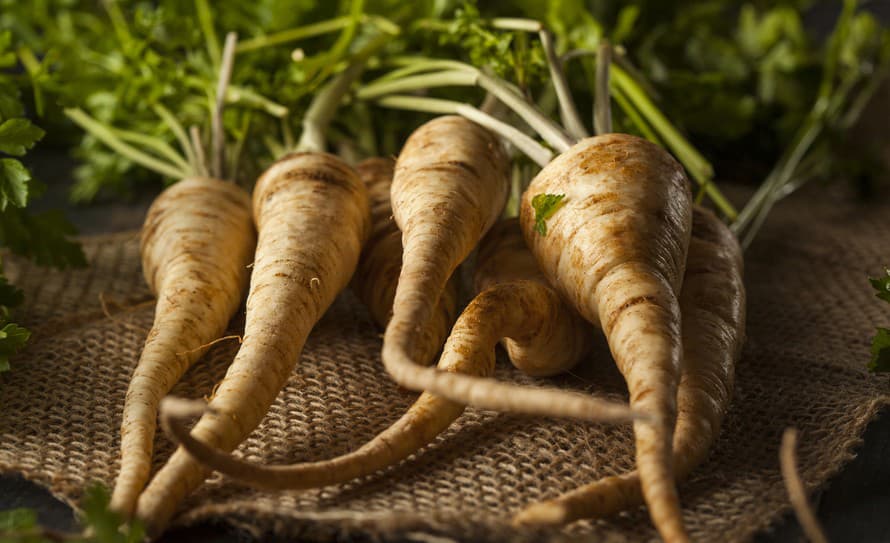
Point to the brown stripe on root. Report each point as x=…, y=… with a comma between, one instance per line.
x=450, y=184
x=622, y=235
x=312, y=216
x=712, y=304
x=515, y=303
x=443, y=210
x=381, y=262
x=197, y=241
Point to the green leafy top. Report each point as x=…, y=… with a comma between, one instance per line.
x=41, y=237
x=545, y=205
x=882, y=285
x=880, y=345
x=101, y=524
x=507, y=53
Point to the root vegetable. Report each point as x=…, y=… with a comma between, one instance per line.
x=381, y=261
x=311, y=212
x=450, y=185
x=515, y=302
x=616, y=251
x=197, y=241
x=713, y=308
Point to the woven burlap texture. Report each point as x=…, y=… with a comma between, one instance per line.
x=810, y=315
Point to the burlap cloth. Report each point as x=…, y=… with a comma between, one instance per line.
x=811, y=313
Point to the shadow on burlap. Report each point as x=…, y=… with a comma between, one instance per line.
x=810, y=315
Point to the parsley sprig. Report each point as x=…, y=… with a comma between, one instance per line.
x=880, y=343
x=42, y=237
x=101, y=525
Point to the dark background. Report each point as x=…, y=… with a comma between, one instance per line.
x=853, y=507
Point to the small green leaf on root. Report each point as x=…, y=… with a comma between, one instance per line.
x=545, y=205
x=882, y=285
x=880, y=351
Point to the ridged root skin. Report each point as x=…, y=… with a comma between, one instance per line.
x=616, y=250
x=197, y=242
x=528, y=310
x=712, y=303
x=450, y=185
x=378, y=269
x=311, y=212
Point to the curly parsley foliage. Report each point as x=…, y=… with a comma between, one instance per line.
x=510, y=54
x=41, y=237
x=880, y=345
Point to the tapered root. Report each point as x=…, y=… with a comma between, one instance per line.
x=425, y=419
x=712, y=303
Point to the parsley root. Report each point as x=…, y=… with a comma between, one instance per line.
x=301, y=198
x=197, y=241
x=616, y=251
x=515, y=302
x=378, y=268
x=713, y=307
x=450, y=185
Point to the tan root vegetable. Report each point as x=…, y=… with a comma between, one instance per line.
x=713, y=307
x=311, y=212
x=616, y=250
x=515, y=302
x=197, y=241
x=450, y=185
x=378, y=269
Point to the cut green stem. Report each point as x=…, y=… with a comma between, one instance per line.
x=315, y=29
x=602, y=106
x=567, y=109
x=201, y=158
x=537, y=152
x=466, y=75
x=106, y=135
x=634, y=116
x=205, y=20
x=218, y=150
x=179, y=132
x=161, y=147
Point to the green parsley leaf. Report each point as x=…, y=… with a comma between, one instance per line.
x=18, y=135
x=12, y=338
x=10, y=295
x=17, y=519
x=545, y=205
x=880, y=351
x=14, y=178
x=882, y=285
x=107, y=525
x=7, y=58
x=42, y=237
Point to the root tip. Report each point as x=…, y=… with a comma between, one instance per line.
x=180, y=408
x=541, y=514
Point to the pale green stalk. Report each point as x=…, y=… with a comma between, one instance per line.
x=602, y=106
x=241, y=95
x=459, y=77
x=634, y=116
x=328, y=99
x=179, y=132
x=198, y=145
x=217, y=133
x=568, y=111
x=205, y=20
x=161, y=147
x=106, y=135
x=534, y=150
